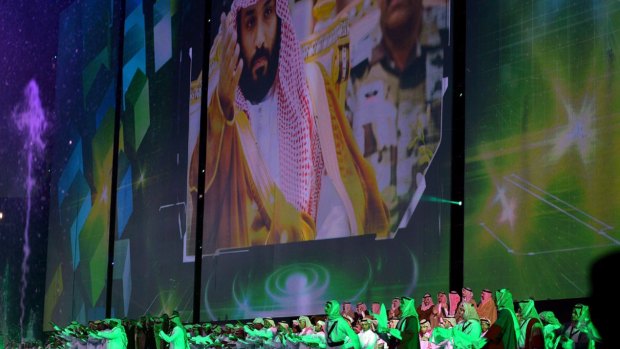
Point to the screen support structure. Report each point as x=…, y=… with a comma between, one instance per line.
x=458, y=16
x=119, y=6
x=202, y=150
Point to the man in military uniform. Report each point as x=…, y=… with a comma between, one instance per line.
x=395, y=100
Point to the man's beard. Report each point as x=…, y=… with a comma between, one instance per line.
x=256, y=90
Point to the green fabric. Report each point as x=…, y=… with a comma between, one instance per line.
x=407, y=306
x=178, y=338
x=528, y=309
x=504, y=300
x=502, y=334
x=409, y=331
x=382, y=320
x=408, y=328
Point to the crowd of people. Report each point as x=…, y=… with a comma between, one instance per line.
x=450, y=321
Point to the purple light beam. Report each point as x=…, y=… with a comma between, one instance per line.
x=29, y=117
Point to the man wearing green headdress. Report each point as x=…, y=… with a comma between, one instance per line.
x=178, y=337
x=579, y=333
x=407, y=331
x=465, y=335
x=338, y=332
x=504, y=333
x=116, y=336
x=531, y=327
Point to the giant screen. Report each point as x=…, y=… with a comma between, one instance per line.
x=334, y=193
x=328, y=145
x=542, y=125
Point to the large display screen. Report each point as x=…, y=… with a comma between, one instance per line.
x=81, y=165
x=350, y=157
x=162, y=64
x=542, y=131
x=328, y=152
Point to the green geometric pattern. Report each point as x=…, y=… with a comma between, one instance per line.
x=137, y=112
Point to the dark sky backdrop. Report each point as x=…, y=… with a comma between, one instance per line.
x=29, y=30
x=28, y=46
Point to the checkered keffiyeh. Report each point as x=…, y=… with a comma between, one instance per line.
x=300, y=157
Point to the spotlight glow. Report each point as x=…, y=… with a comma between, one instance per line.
x=429, y=198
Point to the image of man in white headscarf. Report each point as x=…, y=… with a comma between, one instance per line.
x=281, y=161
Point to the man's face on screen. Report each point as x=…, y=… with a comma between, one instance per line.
x=396, y=14
x=259, y=39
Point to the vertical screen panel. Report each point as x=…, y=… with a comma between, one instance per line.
x=161, y=64
x=82, y=163
x=542, y=136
